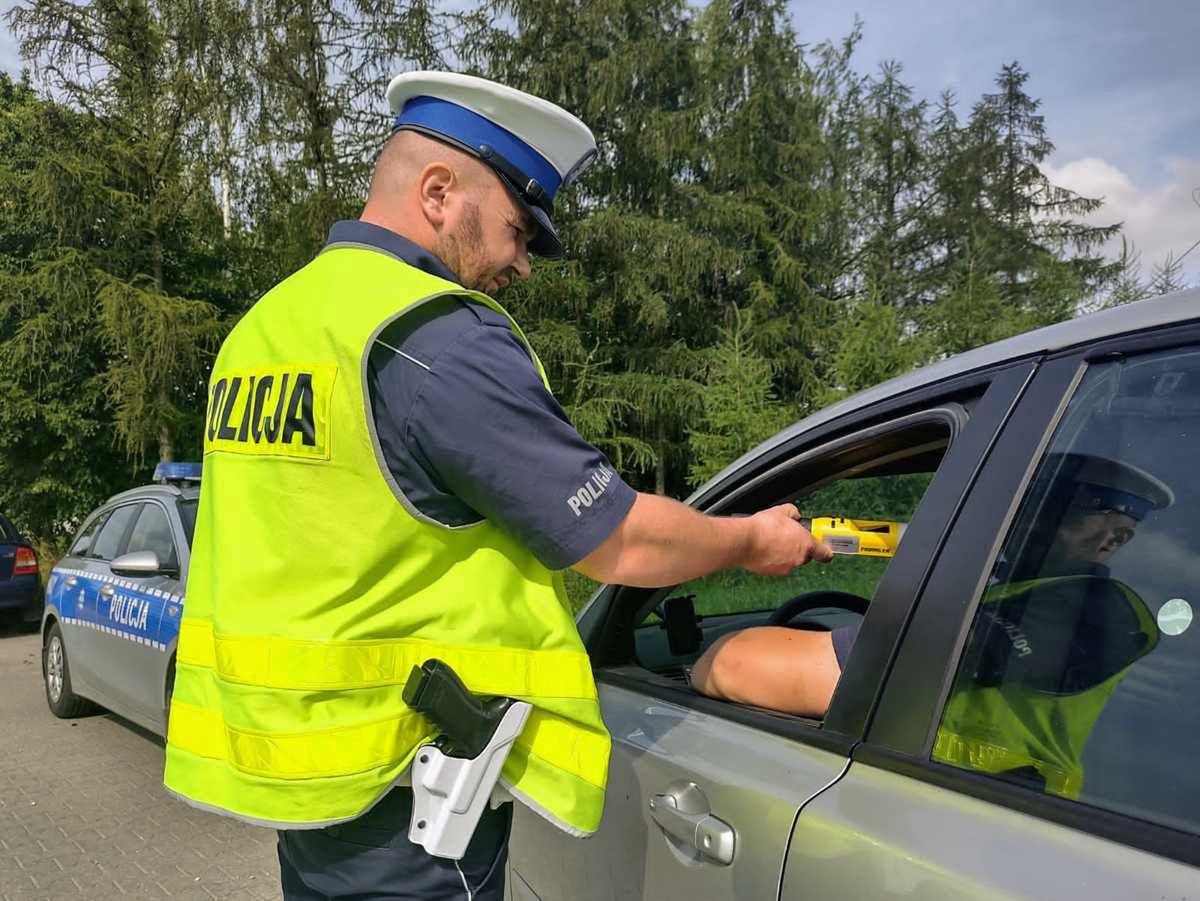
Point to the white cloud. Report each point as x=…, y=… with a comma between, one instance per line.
x=1158, y=219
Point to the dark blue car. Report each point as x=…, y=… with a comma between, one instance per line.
x=20, y=583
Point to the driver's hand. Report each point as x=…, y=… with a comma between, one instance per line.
x=779, y=543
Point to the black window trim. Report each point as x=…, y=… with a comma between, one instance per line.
x=890, y=742
x=845, y=724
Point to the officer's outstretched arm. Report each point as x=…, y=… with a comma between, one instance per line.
x=663, y=542
x=789, y=670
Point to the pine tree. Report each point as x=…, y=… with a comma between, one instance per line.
x=1167, y=277
x=1127, y=285
x=320, y=68
x=58, y=458
x=740, y=408
x=891, y=189
x=120, y=201
x=1032, y=221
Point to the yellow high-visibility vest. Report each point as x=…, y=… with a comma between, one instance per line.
x=994, y=728
x=315, y=586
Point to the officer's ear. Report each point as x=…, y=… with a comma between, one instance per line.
x=434, y=186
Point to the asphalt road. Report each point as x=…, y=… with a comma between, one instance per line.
x=83, y=813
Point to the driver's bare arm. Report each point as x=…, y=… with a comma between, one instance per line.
x=663, y=542
x=783, y=669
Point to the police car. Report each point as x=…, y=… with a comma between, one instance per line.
x=1052, y=757
x=114, y=602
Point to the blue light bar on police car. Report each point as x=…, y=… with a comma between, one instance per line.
x=177, y=472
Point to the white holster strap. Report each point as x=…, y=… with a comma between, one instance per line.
x=449, y=793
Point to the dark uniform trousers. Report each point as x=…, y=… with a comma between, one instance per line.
x=371, y=859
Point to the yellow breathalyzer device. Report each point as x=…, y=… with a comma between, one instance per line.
x=861, y=537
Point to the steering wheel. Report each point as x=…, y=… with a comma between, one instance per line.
x=812, y=600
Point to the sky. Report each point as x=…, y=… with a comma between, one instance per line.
x=1117, y=80
x=1118, y=83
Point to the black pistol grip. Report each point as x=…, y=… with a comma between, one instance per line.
x=467, y=721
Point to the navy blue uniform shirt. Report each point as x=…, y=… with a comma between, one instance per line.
x=468, y=431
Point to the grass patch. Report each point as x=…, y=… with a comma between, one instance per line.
x=736, y=590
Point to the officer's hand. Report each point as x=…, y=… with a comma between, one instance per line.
x=779, y=543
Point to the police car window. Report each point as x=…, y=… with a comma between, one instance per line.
x=1078, y=676
x=152, y=532
x=84, y=539
x=108, y=543
x=187, y=515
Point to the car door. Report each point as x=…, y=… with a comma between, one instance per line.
x=99, y=651
x=1076, y=776
x=67, y=591
x=702, y=794
x=137, y=610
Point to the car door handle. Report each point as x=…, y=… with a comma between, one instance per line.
x=684, y=814
x=106, y=591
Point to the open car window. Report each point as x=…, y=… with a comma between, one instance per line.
x=889, y=498
x=875, y=482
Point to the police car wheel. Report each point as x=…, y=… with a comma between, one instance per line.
x=56, y=675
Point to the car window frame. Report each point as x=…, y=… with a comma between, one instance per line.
x=901, y=734
x=994, y=391
x=124, y=540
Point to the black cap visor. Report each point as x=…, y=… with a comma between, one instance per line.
x=545, y=241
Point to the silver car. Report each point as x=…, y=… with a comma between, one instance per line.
x=114, y=603
x=709, y=799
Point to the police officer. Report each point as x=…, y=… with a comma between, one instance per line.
x=1052, y=639
x=389, y=479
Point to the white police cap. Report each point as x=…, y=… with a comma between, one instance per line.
x=1106, y=484
x=534, y=146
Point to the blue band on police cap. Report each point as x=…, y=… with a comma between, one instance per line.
x=1101, y=497
x=473, y=130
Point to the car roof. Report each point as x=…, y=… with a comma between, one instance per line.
x=162, y=492
x=1154, y=312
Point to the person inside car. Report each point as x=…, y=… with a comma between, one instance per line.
x=1053, y=636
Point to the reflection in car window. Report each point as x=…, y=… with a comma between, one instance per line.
x=108, y=542
x=84, y=540
x=1078, y=677
x=152, y=532
x=7, y=533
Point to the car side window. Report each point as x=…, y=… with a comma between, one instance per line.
x=152, y=532
x=1078, y=676
x=873, y=498
x=108, y=543
x=83, y=540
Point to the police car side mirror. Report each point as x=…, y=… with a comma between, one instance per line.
x=139, y=563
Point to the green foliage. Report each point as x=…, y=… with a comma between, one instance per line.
x=738, y=405
x=765, y=230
